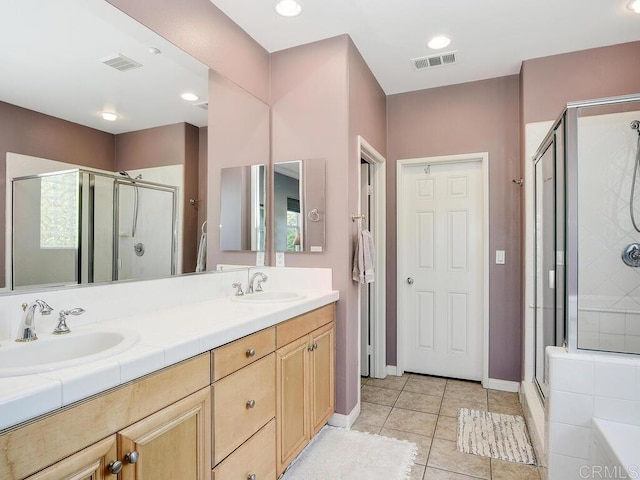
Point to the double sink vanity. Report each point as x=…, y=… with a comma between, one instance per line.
x=230, y=387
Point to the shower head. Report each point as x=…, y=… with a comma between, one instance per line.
x=635, y=125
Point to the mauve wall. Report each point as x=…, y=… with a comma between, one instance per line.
x=548, y=83
x=480, y=116
x=203, y=156
x=203, y=31
x=323, y=96
x=32, y=133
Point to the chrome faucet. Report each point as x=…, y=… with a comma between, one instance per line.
x=27, y=329
x=261, y=278
x=62, y=327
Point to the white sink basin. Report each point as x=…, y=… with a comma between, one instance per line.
x=52, y=352
x=268, y=297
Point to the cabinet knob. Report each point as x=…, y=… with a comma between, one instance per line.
x=315, y=346
x=251, y=476
x=132, y=457
x=115, y=467
x=251, y=403
x=310, y=348
x=251, y=352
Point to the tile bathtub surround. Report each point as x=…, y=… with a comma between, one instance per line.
x=613, y=394
x=423, y=410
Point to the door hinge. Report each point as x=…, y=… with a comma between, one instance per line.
x=369, y=350
x=369, y=189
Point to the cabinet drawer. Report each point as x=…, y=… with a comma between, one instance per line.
x=234, y=419
x=235, y=355
x=302, y=325
x=256, y=456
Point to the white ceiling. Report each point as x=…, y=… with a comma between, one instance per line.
x=492, y=37
x=51, y=55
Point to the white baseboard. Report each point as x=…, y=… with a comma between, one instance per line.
x=504, y=385
x=392, y=370
x=345, y=421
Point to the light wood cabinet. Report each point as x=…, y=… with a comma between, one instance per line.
x=172, y=443
x=305, y=383
x=88, y=464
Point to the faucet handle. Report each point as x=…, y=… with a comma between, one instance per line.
x=238, y=287
x=62, y=327
x=260, y=281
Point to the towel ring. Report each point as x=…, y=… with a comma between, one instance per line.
x=314, y=215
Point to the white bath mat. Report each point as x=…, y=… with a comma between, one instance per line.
x=339, y=454
x=494, y=435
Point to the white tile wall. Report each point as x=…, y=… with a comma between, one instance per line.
x=613, y=394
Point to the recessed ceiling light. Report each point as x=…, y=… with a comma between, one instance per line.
x=189, y=97
x=110, y=116
x=154, y=51
x=438, y=42
x=288, y=8
x=634, y=6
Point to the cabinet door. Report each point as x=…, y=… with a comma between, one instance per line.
x=292, y=400
x=88, y=464
x=170, y=444
x=322, y=376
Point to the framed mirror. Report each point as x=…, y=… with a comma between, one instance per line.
x=242, y=208
x=299, y=206
x=70, y=62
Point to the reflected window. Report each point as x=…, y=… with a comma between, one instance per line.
x=59, y=211
x=293, y=225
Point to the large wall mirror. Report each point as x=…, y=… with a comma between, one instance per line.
x=299, y=206
x=65, y=62
x=242, y=208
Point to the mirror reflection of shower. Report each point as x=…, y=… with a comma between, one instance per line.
x=631, y=253
x=136, y=199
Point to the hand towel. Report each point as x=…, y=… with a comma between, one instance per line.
x=201, y=266
x=364, y=258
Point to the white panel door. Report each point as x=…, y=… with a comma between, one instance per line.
x=440, y=253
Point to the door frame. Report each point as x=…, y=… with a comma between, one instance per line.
x=482, y=157
x=379, y=304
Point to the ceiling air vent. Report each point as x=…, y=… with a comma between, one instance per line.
x=120, y=62
x=202, y=105
x=421, y=63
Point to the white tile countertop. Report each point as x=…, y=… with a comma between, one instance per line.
x=166, y=336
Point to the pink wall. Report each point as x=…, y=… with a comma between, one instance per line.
x=548, y=83
x=480, y=116
x=323, y=96
x=202, y=30
x=238, y=136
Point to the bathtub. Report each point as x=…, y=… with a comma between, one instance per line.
x=614, y=450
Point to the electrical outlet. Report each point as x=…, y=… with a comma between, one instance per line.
x=259, y=259
x=500, y=257
x=279, y=259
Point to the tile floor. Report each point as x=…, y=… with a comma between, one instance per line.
x=424, y=410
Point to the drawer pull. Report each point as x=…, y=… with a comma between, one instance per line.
x=251, y=352
x=115, y=467
x=132, y=457
x=251, y=476
x=313, y=347
x=251, y=403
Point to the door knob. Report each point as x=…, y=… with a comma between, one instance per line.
x=410, y=281
x=115, y=467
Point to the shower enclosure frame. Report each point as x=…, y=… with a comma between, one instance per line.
x=570, y=117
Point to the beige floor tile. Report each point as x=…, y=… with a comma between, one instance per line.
x=437, y=474
x=505, y=408
x=451, y=405
x=364, y=427
x=422, y=442
x=464, y=389
x=372, y=414
x=393, y=382
x=380, y=396
x=544, y=473
x=410, y=421
x=498, y=396
x=501, y=470
x=425, y=385
x=417, y=472
x=419, y=402
x=445, y=456
x=431, y=378
x=363, y=380
x=447, y=428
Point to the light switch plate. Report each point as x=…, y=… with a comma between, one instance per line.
x=259, y=259
x=500, y=257
x=279, y=259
